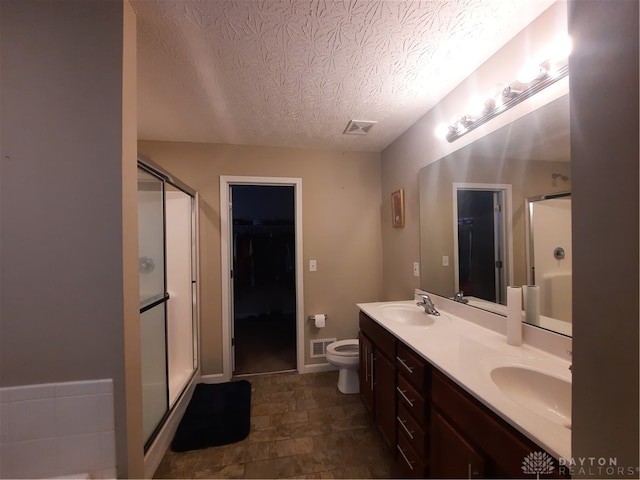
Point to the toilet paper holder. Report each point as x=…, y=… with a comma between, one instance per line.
x=312, y=318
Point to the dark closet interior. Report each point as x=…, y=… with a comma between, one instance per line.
x=264, y=282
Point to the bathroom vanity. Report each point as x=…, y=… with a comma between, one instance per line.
x=434, y=387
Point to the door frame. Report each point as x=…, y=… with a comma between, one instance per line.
x=506, y=233
x=226, y=253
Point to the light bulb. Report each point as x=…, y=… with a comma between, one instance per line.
x=561, y=48
x=475, y=107
x=530, y=72
x=442, y=130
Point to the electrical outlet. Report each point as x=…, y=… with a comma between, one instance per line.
x=416, y=269
x=313, y=265
x=445, y=261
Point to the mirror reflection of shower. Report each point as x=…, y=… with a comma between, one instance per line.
x=549, y=254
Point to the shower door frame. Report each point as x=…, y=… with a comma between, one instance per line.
x=226, y=250
x=153, y=169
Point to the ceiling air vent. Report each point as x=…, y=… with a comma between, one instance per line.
x=358, y=127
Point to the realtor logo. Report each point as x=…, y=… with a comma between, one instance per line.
x=537, y=463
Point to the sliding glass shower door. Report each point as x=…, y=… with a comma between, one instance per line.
x=153, y=298
x=168, y=299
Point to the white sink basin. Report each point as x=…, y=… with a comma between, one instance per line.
x=541, y=392
x=408, y=315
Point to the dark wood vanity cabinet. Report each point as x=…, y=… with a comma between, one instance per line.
x=469, y=440
x=413, y=405
x=453, y=456
x=434, y=428
x=377, y=375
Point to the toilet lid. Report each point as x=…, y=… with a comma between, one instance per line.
x=345, y=348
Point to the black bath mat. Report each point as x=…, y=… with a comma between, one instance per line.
x=218, y=414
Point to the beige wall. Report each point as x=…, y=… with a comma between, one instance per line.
x=130, y=287
x=605, y=159
x=65, y=151
x=341, y=228
x=418, y=146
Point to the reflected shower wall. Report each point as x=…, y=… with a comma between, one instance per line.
x=552, y=255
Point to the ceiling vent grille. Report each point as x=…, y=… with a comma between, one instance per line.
x=358, y=127
x=319, y=347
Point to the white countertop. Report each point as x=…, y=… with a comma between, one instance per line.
x=466, y=352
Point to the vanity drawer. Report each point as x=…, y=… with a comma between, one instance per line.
x=411, y=366
x=413, y=432
x=383, y=339
x=411, y=399
x=411, y=463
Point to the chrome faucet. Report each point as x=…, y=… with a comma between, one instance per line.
x=428, y=305
x=459, y=297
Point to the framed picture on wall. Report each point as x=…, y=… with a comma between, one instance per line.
x=397, y=208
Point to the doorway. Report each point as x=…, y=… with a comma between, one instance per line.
x=262, y=294
x=264, y=283
x=481, y=259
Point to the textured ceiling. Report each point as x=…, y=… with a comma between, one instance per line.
x=294, y=72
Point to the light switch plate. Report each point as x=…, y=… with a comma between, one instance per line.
x=416, y=269
x=313, y=265
x=445, y=261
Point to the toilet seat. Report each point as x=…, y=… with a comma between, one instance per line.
x=344, y=348
x=345, y=355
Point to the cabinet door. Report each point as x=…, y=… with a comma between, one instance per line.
x=451, y=455
x=384, y=375
x=365, y=372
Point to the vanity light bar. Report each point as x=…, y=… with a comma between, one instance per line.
x=512, y=95
x=532, y=79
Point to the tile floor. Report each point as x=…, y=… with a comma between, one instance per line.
x=265, y=343
x=301, y=427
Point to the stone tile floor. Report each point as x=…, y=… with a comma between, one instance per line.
x=301, y=427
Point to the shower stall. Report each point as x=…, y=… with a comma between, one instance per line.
x=168, y=292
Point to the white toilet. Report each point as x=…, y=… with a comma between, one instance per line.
x=345, y=355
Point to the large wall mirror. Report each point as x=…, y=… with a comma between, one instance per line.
x=497, y=213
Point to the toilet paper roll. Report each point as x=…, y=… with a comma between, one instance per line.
x=320, y=320
x=531, y=298
x=514, y=315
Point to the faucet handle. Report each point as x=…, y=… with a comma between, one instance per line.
x=459, y=297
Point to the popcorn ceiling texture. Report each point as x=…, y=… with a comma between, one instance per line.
x=294, y=72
